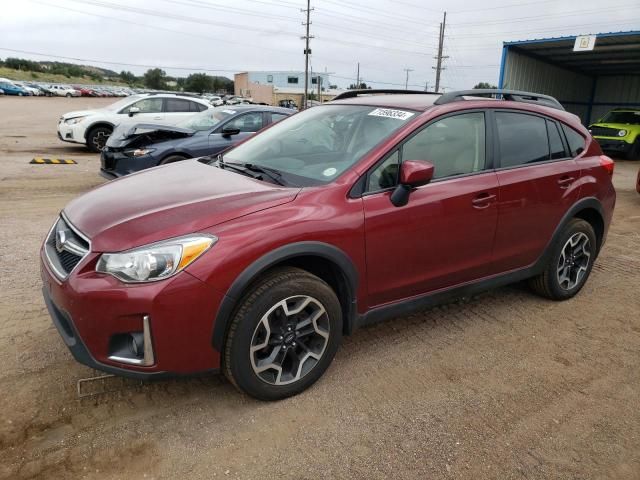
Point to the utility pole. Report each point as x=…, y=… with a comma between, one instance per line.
x=307, y=52
x=319, y=88
x=406, y=82
x=358, y=77
x=440, y=57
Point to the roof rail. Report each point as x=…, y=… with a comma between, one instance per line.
x=512, y=95
x=369, y=91
x=181, y=94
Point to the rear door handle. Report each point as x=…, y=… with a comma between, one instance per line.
x=565, y=181
x=483, y=200
x=157, y=118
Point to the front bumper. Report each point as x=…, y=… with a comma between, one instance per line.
x=613, y=145
x=90, y=310
x=114, y=163
x=71, y=133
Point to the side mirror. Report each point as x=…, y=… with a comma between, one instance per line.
x=133, y=111
x=228, y=131
x=413, y=173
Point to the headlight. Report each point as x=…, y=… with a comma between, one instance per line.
x=73, y=121
x=622, y=133
x=157, y=261
x=139, y=152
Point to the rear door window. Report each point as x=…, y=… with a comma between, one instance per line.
x=178, y=105
x=522, y=139
x=555, y=141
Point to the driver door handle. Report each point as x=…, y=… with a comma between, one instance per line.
x=483, y=200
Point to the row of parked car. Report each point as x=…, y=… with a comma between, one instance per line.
x=23, y=88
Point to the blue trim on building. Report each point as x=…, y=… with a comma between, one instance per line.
x=502, y=66
x=572, y=37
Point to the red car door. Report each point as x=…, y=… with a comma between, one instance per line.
x=444, y=235
x=538, y=183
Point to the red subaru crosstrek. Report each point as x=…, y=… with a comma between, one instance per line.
x=365, y=208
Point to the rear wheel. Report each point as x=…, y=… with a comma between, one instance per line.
x=97, y=138
x=283, y=336
x=570, y=263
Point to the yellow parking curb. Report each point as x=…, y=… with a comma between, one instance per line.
x=53, y=161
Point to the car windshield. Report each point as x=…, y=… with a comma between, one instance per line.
x=630, y=118
x=123, y=103
x=207, y=120
x=317, y=145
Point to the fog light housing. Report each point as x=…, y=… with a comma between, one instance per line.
x=133, y=348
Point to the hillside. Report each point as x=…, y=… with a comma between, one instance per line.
x=12, y=74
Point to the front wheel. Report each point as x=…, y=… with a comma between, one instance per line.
x=283, y=336
x=570, y=262
x=97, y=138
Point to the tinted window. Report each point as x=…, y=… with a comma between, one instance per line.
x=575, y=141
x=385, y=175
x=522, y=139
x=147, y=105
x=276, y=117
x=178, y=105
x=455, y=145
x=250, y=122
x=555, y=141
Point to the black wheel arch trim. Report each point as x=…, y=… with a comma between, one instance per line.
x=273, y=258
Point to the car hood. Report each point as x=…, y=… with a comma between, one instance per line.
x=127, y=134
x=617, y=126
x=79, y=113
x=168, y=201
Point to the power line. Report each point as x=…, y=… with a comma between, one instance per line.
x=307, y=52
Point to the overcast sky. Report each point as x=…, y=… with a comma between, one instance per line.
x=224, y=36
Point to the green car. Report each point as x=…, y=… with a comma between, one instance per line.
x=618, y=132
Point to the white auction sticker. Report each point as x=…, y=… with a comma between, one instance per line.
x=230, y=112
x=390, y=113
x=329, y=172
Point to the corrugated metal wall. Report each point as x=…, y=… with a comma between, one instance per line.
x=522, y=72
x=615, y=91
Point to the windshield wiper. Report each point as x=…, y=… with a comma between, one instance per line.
x=271, y=173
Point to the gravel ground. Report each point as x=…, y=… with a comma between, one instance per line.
x=505, y=386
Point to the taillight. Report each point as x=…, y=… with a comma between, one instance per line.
x=607, y=164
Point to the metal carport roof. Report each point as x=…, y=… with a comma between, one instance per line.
x=615, y=53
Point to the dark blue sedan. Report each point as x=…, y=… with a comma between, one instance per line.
x=135, y=147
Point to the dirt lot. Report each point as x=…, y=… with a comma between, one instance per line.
x=505, y=386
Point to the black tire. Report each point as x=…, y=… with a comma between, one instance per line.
x=172, y=159
x=68, y=95
x=282, y=285
x=634, y=151
x=549, y=283
x=97, y=138
x=20, y=94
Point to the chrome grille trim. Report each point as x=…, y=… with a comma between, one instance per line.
x=60, y=257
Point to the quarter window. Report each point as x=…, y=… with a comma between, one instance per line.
x=522, y=139
x=292, y=80
x=455, y=145
x=574, y=139
x=555, y=141
x=385, y=175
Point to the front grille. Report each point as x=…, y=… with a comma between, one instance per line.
x=604, y=132
x=65, y=248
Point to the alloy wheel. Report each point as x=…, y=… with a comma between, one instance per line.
x=574, y=260
x=100, y=140
x=289, y=340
